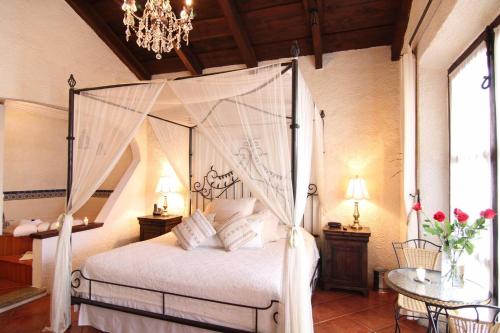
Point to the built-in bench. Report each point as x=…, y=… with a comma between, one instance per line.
x=76, y=228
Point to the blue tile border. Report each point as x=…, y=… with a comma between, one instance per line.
x=44, y=194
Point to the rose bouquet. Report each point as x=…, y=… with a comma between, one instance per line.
x=456, y=235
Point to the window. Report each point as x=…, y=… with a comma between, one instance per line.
x=471, y=179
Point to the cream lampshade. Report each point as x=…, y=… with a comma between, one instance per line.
x=356, y=191
x=165, y=186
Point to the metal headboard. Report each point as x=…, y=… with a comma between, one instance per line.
x=215, y=185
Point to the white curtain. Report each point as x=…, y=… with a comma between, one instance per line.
x=244, y=116
x=470, y=165
x=296, y=290
x=174, y=142
x=408, y=81
x=105, y=122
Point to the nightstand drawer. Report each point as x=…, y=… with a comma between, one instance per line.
x=155, y=226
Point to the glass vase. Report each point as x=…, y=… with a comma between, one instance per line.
x=452, y=269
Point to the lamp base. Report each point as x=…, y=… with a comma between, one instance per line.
x=164, y=212
x=356, y=226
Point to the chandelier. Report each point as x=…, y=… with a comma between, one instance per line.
x=158, y=29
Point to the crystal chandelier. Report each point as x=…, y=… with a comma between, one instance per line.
x=158, y=29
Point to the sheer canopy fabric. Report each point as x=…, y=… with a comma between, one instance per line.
x=174, y=142
x=243, y=114
x=105, y=122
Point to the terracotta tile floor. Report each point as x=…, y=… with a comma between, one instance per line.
x=333, y=312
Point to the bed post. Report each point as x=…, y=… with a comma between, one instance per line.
x=70, y=137
x=190, y=167
x=294, y=126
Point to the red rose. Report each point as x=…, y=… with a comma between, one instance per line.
x=488, y=213
x=417, y=207
x=461, y=216
x=439, y=216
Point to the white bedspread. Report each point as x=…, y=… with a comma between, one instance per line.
x=246, y=276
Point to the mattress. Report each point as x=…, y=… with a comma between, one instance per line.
x=249, y=277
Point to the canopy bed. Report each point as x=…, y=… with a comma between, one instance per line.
x=258, y=127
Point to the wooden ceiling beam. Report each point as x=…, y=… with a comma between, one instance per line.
x=313, y=14
x=189, y=59
x=400, y=29
x=85, y=11
x=239, y=33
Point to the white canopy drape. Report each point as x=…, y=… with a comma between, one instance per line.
x=174, y=142
x=105, y=122
x=250, y=107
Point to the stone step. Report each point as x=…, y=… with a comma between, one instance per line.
x=19, y=297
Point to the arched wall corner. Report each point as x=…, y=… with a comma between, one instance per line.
x=119, y=216
x=110, y=203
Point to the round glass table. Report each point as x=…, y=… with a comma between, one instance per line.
x=435, y=293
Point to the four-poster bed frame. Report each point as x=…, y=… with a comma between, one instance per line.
x=228, y=182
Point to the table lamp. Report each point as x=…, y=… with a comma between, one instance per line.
x=356, y=191
x=165, y=186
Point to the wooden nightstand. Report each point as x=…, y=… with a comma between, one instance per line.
x=345, y=259
x=154, y=226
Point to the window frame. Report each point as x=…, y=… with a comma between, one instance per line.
x=487, y=36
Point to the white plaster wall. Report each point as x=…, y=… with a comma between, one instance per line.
x=35, y=145
x=42, y=43
x=359, y=92
x=433, y=166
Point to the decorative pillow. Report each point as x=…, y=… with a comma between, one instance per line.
x=235, y=232
x=225, y=208
x=257, y=242
x=259, y=207
x=193, y=231
x=270, y=225
x=24, y=230
x=43, y=226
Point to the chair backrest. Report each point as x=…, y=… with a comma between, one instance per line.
x=417, y=253
x=474, y=319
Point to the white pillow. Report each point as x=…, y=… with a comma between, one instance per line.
x=235, y=233
x=257, y=242
x=259, y=207
x=193, y=231
x=225, y=208
x=270, y=225
x=43, y=226
x=24, y=230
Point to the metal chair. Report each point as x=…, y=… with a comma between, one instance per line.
x=474, y=319
x=412, y=254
